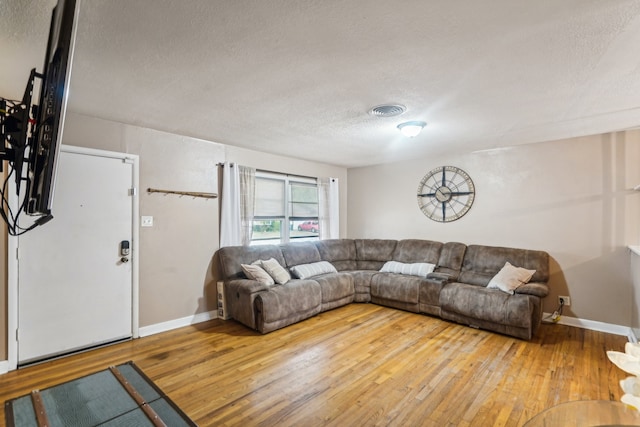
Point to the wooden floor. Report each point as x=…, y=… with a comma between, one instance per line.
x=357, y=365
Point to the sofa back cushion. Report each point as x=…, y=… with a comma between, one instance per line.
x=451, y=258
x=481, y=263
x=339, y=252
x=371, y=254
x=300, y=253
x=414, y=250
x=231, y=258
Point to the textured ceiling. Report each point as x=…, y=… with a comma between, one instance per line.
x=298, y=77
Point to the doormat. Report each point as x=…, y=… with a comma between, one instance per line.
x=118, y=396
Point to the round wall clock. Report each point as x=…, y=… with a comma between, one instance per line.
x=445, y=194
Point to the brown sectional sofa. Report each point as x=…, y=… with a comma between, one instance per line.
x=456, y=290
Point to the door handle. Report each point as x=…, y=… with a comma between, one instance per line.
x=124, y=251
x=124, y=248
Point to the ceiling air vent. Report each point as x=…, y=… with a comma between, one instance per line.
x=388, y=110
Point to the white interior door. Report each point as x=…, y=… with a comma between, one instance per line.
x=74, y=289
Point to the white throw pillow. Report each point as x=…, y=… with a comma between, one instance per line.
x=420, y=269
x=510, y=278
x=255, y=272
x=275, y=270
x=304, y=271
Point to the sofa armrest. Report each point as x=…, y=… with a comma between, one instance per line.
x=245, y=286
x=538, y=289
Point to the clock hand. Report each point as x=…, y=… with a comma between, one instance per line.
x=427, y=195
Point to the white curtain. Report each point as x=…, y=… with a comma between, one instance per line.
x=247, y=202
x=329, y=208
x=237, y=201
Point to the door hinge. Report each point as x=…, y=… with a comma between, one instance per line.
x=133, y=191
x=17, y=334
x=18, y=252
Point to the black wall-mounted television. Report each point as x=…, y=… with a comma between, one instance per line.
x=31, y=132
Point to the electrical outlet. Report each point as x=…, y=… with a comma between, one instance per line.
x=566, y=301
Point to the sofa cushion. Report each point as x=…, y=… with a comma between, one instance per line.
x=510, y=277
x=414, y=251
x=490, y=305
x=339, y=252
x=362, y=284
x=481, y=263
x=304, y=271
x=421, y=269
x=371, y=254
x=300, y=253
x=291, y=299
x=335, y=286
x=451, y=258
x=396, y=287
x=231, y=258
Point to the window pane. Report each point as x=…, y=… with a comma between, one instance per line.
x=304, y=230
x=269, y=198
x=267, y=232
x=304, y=200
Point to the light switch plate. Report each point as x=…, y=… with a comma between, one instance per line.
x=146, y=221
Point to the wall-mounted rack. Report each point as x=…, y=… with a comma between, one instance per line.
x=184, y=193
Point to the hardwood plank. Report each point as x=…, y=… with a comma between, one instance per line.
x=357, y=365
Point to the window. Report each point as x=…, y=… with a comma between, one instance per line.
x=286, y=209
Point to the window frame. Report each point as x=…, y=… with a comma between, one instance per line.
x=288, y=218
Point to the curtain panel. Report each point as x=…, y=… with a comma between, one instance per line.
x=237, y=204
x=247, y=202
x=329, y=208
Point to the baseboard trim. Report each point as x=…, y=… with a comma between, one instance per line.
x=594, y=325
x=145, y=331
x=4, y=366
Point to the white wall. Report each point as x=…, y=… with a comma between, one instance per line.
x=571, y=198
x=177, y=272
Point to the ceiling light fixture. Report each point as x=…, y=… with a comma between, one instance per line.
x=411, y=129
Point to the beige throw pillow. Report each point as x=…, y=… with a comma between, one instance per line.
x=255, y=272
x=275, y=270
x=510, y=278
